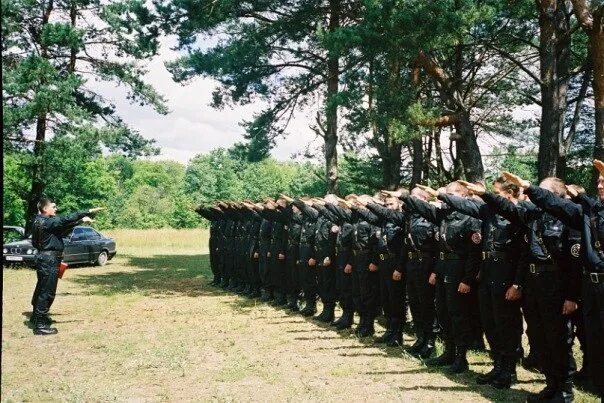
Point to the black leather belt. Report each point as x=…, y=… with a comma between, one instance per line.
x=357, y=252
x=449, y=256
x=495, y=256
x=596, y=278
x=535, y=268
x=419, y=255
x=340, y=250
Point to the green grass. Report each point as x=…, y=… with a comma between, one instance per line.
x=146, y=327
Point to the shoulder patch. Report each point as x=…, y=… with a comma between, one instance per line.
x=476, y=238
x=575, y=250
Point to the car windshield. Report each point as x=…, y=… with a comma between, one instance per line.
x=11, y=235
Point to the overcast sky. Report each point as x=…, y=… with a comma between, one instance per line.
x=192, y=126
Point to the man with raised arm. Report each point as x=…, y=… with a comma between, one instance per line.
x=550, y=288
x=48, y=231
x=459, y=241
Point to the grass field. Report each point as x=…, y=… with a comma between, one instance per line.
x=146, y=327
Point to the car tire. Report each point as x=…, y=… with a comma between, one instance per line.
x=101, y=260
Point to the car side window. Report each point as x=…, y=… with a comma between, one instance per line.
x=77, y=234
x=91, y=234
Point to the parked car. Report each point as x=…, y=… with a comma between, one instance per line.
x=82, y=245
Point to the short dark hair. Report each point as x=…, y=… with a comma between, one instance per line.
x=43, y=203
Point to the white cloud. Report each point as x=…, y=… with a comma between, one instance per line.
x=192, y=126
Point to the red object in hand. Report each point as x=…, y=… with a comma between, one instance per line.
x=62, y=267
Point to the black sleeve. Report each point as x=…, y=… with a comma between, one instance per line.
x=508, y=210
x=431, y=213
x=59, y=224
x=564, y=209
x=386, y=214
x=470, y=207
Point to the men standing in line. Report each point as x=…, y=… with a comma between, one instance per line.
x=459, y=242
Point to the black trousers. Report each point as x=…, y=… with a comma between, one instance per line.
x=392, y=292
x=344, y=282
x=47, y=270
x=307, y=274
x=366, y=286
x=553, y=333
x=593, y=312
x=291, y=271
x=214, y=258
x=453, y=307
x=264, y=266
x=327, y=281
x=278, y=276
x=501, y=319
x=252, y=273
x=421, y=295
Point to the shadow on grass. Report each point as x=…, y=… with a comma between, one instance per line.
x=160, y=275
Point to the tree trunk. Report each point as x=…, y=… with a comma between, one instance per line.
x=596, y=42
x=468, y=151
x=391, y=166
x=554, y=48
x=37, y=182
x=331, y=110
x=417, y=162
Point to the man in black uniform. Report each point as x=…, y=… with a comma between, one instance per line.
x=392, y=281
x=459, y=243
x=343, y=219
x=325, y=246
x=550, y=288
x=365, y=275
x=500, y=280
x=47, y=237
x=419, y=250
x=588, y=217
x=306, y=258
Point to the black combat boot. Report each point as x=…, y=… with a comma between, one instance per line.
x=345, y=321
x=367, y=329
x=327, y=315
x=565, y=391
x=42, y=326
x=396, y=340
x=493, y=373
x=507, y=375
x=428, y=349
x=310, y=309
x=418, y=345
x=280, y=299
x=255, y=292
x=224, y=283
x=385, y=338
x=461, y=363
x=531, y=362
x=293, y=303
x=551, y=387
x=446, y=358
x=266, y=296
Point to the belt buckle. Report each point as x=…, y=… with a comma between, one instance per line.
x=532, y=268
x=594, y=278
x=484, y=256
x=410, y=255
x=382, y=257
x=441, y=255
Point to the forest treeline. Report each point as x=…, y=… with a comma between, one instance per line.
x=403, y=91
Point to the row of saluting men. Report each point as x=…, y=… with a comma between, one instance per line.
x=469, y=260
